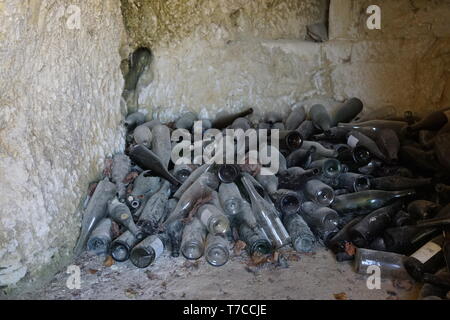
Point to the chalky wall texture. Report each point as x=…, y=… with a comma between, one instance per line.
x=60, y=88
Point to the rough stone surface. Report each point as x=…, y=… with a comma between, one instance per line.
x=210, y=57
x=59, y=117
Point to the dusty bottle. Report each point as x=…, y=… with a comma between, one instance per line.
x=306, y=129
x=175, y=232
x=431, y=290
x=148, y=250
x=320, y=117
x=193, y=243
x=330, y=168
x=319, y=192
x=371, y=168
x=401, y=219
x=182, y=172
x=376, y=125
x=390, y=264
x=427, y=139
x=247, y=217
x=323, y=221
x=143, y=135
x=406, y=240
x=134, y=120
x=154, y=210
x=148, y=160
x=355, y=157
x=320, y=150
x=423, y=160
x=274, y=153
x=347, y=111
x=338, y=241
x=216, y=250
x=230, y=199
x=153, y=123
x=286, y=201
x=266, y=215
x=441, y=150
x=334, y=134
x=268, y=181
x=213, y=219
x=303, y=240
x=161, y=144
x=228, y=173
x=366, y=201
x=241, y=123
x=138, y=62
x=186, y=121
x=295, y=118
x=255, y=239
x=290, y=140
x=121, y=247
x=96, y=210
x=225, y=121
x=295, y=178
x=144, y=187
x=300, y=158
x=434, y=121
x=388, y=142
x=200, y=190
x=423, y=209
x=121, y=214
x=353, y=182
x=395, y=183
x=120, y=168
x=356, y=138
x=373, y=225
x=192, y=178
x=100, y=239
x=279, y=126
x=428, y=259
x=273, y=117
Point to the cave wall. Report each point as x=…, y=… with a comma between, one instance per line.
x=212, y=55
x=60, y=90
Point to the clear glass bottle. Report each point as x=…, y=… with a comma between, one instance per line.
x=193, y=243
x=390, y=264
x=217, y=251
x=230, y=198
x=121, y=247
x=303, y=239
x=319, y=192
x=213, y=219
x=101, y=237
x=376, y=125
x=266, y=215
x=148, y=250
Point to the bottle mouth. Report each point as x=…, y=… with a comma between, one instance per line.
x=290, y=204
x=228, y=173
x=183, y=174
x=192, y=250
x=361, y=184
x=304, y=244
x=294, y=140
x=217, y=256
x=332, y=168
x=120, y=252
x=361, y=156
x=141, y=257
x=221, y=226
x=261, y=246
x=325, y=197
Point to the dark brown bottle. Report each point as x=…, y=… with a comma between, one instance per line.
x=423, y=160
x=300, y=158
x=395, y=183
x=389, y=143
x=337, y=243
x=423, y=209
x=290, y=140
x=227, y=120
x=434, y=121
x=148, y=160
x=347, y=111
x=295, y=178
x=356, y=138
x=406, y=240
x=428, y=259
x=373, y=225
x=306, y=129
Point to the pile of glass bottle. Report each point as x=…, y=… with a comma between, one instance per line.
x=371, y=190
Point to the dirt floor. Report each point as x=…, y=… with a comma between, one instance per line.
x=292, y=276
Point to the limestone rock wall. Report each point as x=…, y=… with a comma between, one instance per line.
x=60, y=90
x=213, y=55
